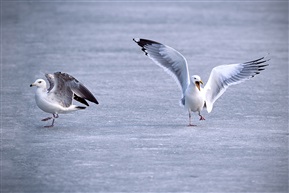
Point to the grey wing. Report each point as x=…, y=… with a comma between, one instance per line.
x=223, y=76
x=80, y=92
x=50, y=78
x=168, y=58
x=60, y=92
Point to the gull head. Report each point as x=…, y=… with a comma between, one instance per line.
x=39, y=83
x=197, y=81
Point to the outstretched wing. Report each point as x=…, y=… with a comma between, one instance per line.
x=67, y=87
x=223, y=76
x=168, y=58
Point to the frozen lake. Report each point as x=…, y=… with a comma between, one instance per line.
x=136, y=139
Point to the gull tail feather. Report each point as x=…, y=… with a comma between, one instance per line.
x=74, y=108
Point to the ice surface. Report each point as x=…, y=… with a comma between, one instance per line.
x=136, y=139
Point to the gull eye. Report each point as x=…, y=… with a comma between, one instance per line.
x=39, y=81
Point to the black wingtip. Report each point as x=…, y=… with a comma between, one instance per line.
x=254, y=61
x=136, y=40
x=80, y=107
x=260, y=60
x=259, y=64
x=81, y=100
x=92, y=99
x=142, y=42
x=96, y=102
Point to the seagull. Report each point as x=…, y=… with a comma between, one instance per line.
x=57, y=99
x=195, y=98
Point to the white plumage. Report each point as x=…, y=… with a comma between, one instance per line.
x=194, y=97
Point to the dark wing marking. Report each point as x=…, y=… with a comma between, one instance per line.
x=76, y=87
x=223, y=76
x=79, y=99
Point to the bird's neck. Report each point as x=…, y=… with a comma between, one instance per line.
x=41, y=89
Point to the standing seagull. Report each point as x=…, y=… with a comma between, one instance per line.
x=194, y=97
x=57, y=99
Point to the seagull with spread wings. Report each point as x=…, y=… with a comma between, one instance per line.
x=57, y=99
x=194, y=98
